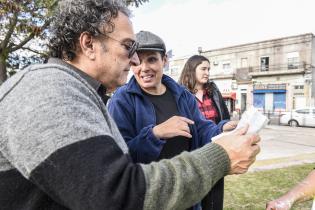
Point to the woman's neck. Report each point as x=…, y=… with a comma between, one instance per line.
x=199, y=95
x=199, y=87
x=159, y=90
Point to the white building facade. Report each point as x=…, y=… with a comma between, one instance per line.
x=272, y=75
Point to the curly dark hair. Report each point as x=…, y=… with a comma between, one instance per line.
x=188, y=75
x=73, y=17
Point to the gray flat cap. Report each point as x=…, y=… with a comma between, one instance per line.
x=149, y=41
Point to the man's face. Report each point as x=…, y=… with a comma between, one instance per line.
x=112, y=63
x=150, y=71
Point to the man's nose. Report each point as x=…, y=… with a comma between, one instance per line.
x=135, y=60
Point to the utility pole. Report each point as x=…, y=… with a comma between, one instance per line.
x=313, y=85
x=199, y=50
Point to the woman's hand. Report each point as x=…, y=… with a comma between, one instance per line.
x=231, y=125
x=174, y=126
x=281, y=203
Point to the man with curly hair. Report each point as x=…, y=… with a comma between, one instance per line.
x=60, y=149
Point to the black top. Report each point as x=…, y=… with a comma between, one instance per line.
x=165, y=108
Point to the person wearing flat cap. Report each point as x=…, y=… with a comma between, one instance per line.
x=157, y=117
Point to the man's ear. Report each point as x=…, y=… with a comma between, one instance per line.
x=87, y=45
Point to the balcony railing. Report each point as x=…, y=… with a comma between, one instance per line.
x=245, y=74
x=279, y=67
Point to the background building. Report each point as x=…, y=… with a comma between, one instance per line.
x=271, y=75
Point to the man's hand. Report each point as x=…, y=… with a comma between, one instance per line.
x=174, y=126
x=230, y=125
x=242, y=149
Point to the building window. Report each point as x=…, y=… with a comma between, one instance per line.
x=279, y=100
x=298, y=87
x=226, y=65
x=259, y=100
x=174, y=70
x=303, y=111
x=264, y=63
x=244, y=63
x=293, y=60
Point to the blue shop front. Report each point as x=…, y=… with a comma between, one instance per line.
x=269, y=97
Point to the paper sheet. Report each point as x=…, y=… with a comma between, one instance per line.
x=254, y=118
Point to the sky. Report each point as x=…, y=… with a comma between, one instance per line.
x=185, y=25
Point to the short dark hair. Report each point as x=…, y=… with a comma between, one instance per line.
x=188, y=75
x=73, y=17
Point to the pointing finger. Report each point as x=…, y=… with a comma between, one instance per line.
x=187, y=120
x=185, y=134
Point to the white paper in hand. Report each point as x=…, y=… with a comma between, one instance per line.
x=253, y=118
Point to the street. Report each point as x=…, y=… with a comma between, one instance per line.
x=283, y=146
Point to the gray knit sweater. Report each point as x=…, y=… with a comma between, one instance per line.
x=60, y=149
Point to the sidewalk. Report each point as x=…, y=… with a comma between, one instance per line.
x=283, y=146
x=260, y=165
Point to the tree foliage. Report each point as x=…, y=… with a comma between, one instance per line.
x=136, y=3
x=23, y=32
x=22, y=22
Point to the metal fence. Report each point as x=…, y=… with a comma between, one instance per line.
x=273, y=116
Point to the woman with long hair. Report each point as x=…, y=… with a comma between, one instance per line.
x=195, y=76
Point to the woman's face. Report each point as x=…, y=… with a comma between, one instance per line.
x=150, y=71
x=202, y=73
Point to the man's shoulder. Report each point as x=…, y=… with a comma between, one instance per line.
x=39, y=72
x=55, y=75
x=42, y=80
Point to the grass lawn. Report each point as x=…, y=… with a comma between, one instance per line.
x=253, y=190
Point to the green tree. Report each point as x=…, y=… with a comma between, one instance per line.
x=23, y=31
x=136, y=3
x=21, y=22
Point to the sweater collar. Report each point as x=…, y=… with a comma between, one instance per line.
x=96, y=85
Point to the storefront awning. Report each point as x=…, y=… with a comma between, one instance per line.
x=270, y=91
x=231, y=95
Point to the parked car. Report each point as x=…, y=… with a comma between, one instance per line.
x=299, y=117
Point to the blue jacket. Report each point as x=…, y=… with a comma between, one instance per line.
x=135, y=116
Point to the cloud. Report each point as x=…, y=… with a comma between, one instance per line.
x=186, y=25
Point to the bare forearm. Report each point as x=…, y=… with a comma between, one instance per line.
x=305, y=190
